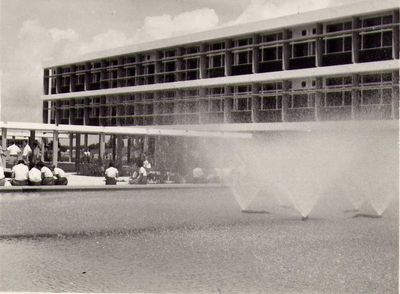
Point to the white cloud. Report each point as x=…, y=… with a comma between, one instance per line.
x=265, y=9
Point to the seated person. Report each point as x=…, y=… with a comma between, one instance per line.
x=19, y=174
x=198, y=175
x=47, y=174
x=60, y=176
x=35, y=176
x=139, y=176
x=111, y=175
x=2, y=177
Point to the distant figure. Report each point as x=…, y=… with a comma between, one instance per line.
x=19, y=174
x=198, y=175
x=13, y=151
x=34, y=176
x=2, y=177
x=47, y=175
x=139, y=176
x=60, y=176
x=111, y=175
x=87, y=155
x=37, y=153
x=26, y=152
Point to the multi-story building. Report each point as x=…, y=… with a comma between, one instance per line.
x=340, y=63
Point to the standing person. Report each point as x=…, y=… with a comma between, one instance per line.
x=111, y=175
x=47, y=174
x=37, y=153
x=60, y=176
x=34, y=176
x=13, y=152
x=2, y=177
x=26, y=152
x=19, y=174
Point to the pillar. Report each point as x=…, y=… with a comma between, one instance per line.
x=55, y=148
x=58, y=80
x=228, y=104
x=102, y=146
x=355, y=98
x=77, y=152
x=228, y=58
x=114, y=146
x=395, y=95
x=72, y=79
x=85, y=140
x=42, y=147
x=256, y=54
x=178, y=65
x=57, y=112
x=71, y=146
x=203, y=61
x=45, y=112
x=46, y=77
x=285, y=50
x=395, y=35
x=32, y=138
x=203, y=105
x=3, y=145
x=285, y=100
x=319, y=96
x=128, y=150
x=119, y=147
x=319, y=45
x=255, y=103
x=87, y=76
x=146, y=144
x=355, y=48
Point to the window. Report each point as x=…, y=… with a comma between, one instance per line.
x=242, y=57
x=303, y=100
x=216, y=91
x=378, y=38
x=216, y=105
x=216, y=61
x=271, y=53
x=243, y=42
x=242, y=104
x=303, y=49
x=376, y=89
x=217, y=46
x=271, y=102
x=341, y=98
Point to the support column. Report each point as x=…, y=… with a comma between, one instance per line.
x=203, y=105
x=85, y=140
x=77, y=152
x=72, y=79
x=86, y=112
x=45, y=112
x=31, y=142
x=46, y=77
x=395, y=95
x=49, y=111
x=87, y=76
x=114, y=146
x=355, y=48
x=55, y=148
x=285, y=50
x=128, y=150
x=319, y=45
x=146, y=144
x=58, y=80
x=42, y=148
x=71, y=145
x=228, y=104
x=228, y=58
x=57, y=112
x=319, y=95
x=3, y=145
x=102, y=146
x=203, y=61
x=256, y=54
x=285, y=100
x=119, y=147
x=255, y=103
x=178, y=65
x=355, y=98
x=395, y=35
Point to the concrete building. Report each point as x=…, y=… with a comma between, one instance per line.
x=340, y=63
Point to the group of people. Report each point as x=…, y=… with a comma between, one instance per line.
x=138, y=176
x=28, y=169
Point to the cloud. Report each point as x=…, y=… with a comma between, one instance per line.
x=265, y=9
x=165, y=26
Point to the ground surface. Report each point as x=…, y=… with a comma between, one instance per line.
x=191, y=241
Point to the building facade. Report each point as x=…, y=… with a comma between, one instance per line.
x=334, y=64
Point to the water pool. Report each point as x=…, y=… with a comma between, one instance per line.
x=191, y=240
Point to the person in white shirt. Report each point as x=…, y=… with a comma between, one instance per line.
x=139, y=176
x=13, y=152
x=60, y=176
x=35, y=176
x=20, y=174
x=2, y=177
x=47, y=174
x=111, y=175
x=26, y=152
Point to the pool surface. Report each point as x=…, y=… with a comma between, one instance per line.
x=191, y=241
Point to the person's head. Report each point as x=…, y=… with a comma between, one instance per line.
x=52, y=166
x=140, y=163
x=12, y=142
x=21, y=161
x=111, y=164
x=40, y=164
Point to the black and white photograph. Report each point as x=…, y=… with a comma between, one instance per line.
x=199, y=146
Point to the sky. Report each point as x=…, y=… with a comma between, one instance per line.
x=35, y=30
